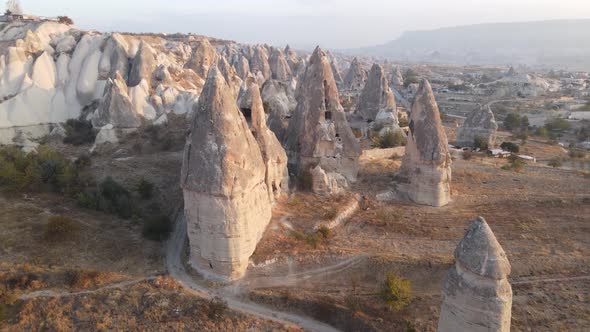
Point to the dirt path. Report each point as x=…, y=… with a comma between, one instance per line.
x=174, y=249
x=527, y=281
x=51, y=293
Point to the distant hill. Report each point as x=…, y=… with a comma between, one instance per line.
x=561, y=44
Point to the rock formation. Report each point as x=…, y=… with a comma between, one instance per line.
x=273, y=154
x=292, y=59
x=278, y=65
x=397, y=79
x=223, y=178
x=377, y=101
x=203, y=57
x=477, y=295
x=425, y=175
x=242, y=67
x=480, y=124
x=230, y=75
x=116, y=108
x=337, y=75
x=318, y=133
x=259, y=63
x=356, y=76
x=143, y=65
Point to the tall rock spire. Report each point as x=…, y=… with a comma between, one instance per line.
x=318, y=133
x=356, y=76
x=425, y=175
x=377, y=101
x=477, y=295
x=480, y=124
x=223, y=178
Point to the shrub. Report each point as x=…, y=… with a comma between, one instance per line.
x=390, y=139
x=216, y=308
x=65, y=20
x=157, y=228
x=395, y=292
x=79, y=132
x=512, y=121
x=330, y=214
x=325, y=232
x=555, y=162
x=404, y=122
x=515, y=164
x=145, y=189
x=467, y=155
x=60, y=228
x=480, y=143
x=542, y=131
x=306, y=180
x=510, y=147
x=557, y=125
x=577, y=153
x=115, y=198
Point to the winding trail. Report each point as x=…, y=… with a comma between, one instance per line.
x=176, y=269
x=54, y=294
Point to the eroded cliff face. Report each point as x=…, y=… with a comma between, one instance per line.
x=224, y=179
x=480, y=124
x=319, y=133
x=425, y=175
x=477, y=295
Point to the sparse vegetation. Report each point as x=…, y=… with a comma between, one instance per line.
x=480, y=143
x=79, y=132
x=65, y=20
x=515, y=164
x=467, y=155
x=389, y=139
x=157, y=228
x=510, y=147
x=217, y=309
x=555, y=162
x=411, y=77
x=557, y=125
x=395, y=291
x=145, y=189
x=60, y=228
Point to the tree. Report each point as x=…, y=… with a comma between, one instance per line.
x=555, y=162
x=512, y=121
x=480, y=143
x=542, y=131
x=557, y=124
x=524, y=123
x=396, y=292
x=65, y=20
x=510, y=147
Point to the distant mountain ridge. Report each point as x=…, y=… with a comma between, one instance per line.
x=558, y=43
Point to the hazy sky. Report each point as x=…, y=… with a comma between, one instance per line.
x=302, y=23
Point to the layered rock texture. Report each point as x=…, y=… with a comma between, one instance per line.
x=280, y=69
x=319, y=134
x=425, y=175
x=225, y=177
x=477, y=295
x=397, y=79
x=377, y=101
x=480, y=124
x=355, y=77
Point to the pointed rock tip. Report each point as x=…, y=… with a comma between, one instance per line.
x=480, y=252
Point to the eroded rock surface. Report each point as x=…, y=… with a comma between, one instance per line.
x=425, y=175
x=477, y=295
x=355, y=77
x=319, y=133
x=480, y=124
x=377, y=101
x=224, y=180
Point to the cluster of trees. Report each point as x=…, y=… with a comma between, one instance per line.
x=47, y=170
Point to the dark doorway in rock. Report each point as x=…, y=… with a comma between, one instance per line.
x=328, y=115
x=247, y=113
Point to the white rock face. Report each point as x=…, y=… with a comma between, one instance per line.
x=356, y=76
x=224, y=180
x=50, y=72
x=425, y=175
x=477, y=296
x=481, y=124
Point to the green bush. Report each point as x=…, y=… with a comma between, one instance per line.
x=79, y=132
x=60, y=228
x=145, y=189
x=555, y=162
x=392, y=139
x=512, y=122
x=395, y=292
x=557, y=125
x=157, y=228
x=510, y=147
x=480, y=143
x=115, y=198
x=542, y=131
x=514, y=164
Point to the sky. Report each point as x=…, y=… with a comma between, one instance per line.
x=335, y=24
